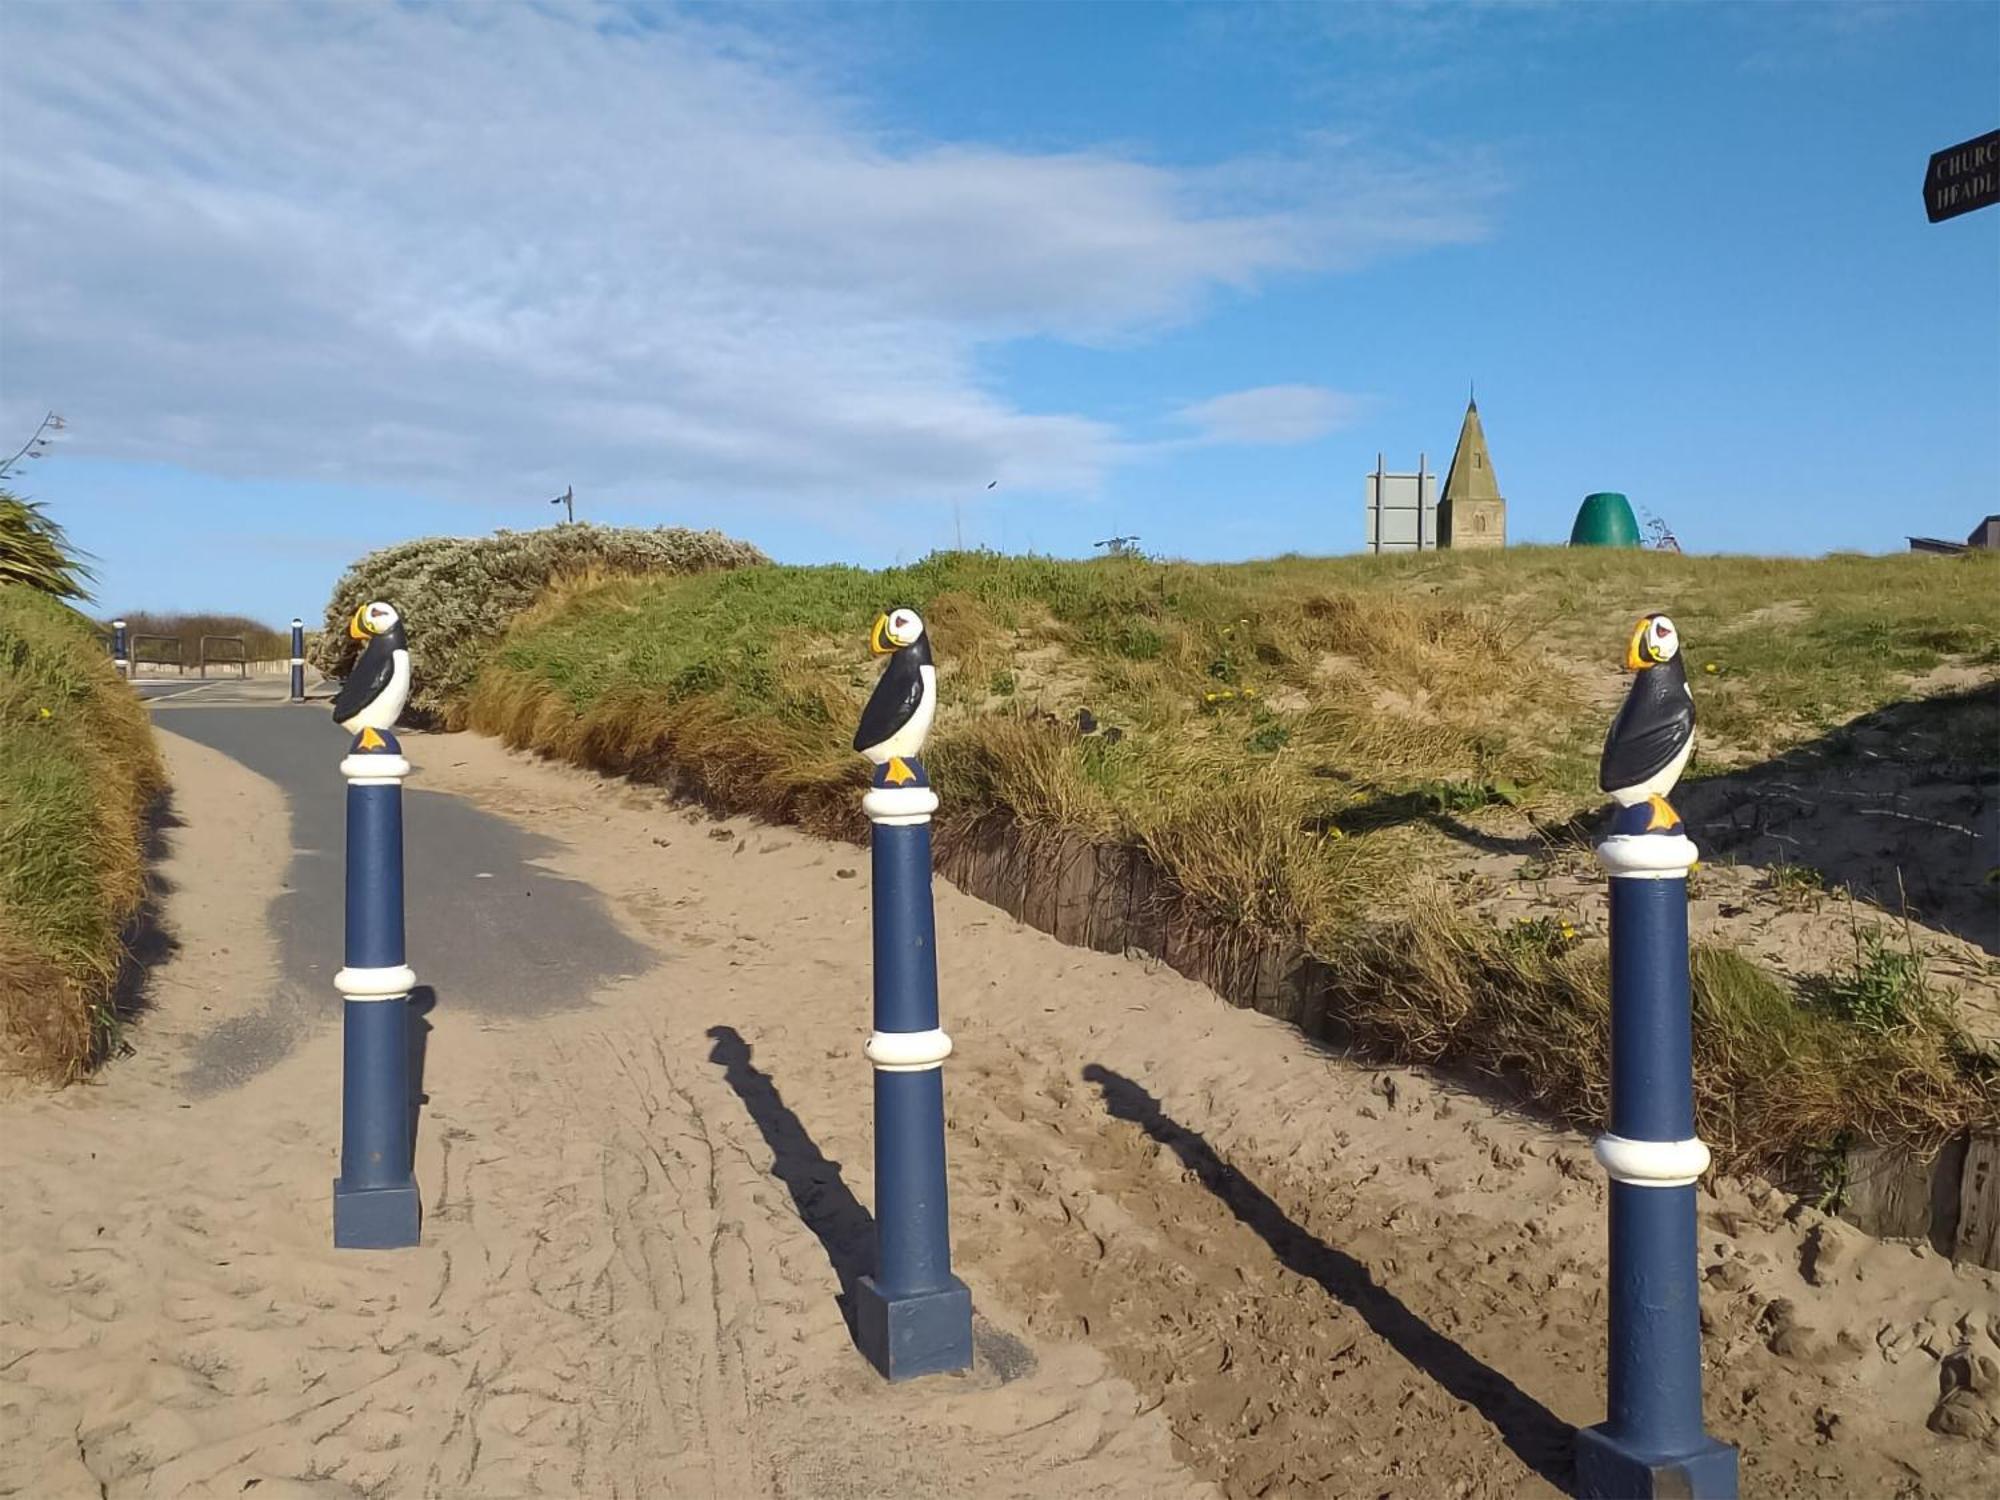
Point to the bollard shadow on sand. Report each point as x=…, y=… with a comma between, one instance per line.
x=1537, y=1436
x=423, y=1000
x=826, y=1205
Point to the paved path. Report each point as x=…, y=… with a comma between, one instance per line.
x=262, y=687
x=489, y=930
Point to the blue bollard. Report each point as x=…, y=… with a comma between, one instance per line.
x=121, y=655
x=375, y=1201
x=912, y=1317
x=1653, y=1444
x=298, y=661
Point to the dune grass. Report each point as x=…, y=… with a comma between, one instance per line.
x=78, y=772
x=1279, y=736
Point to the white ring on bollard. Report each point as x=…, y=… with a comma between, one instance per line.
x=376, y=984
x=374, y=770
x=298, y=661
x=1648, y=856
x=898, y=806
x=907, y=1051
x=1651, y=1163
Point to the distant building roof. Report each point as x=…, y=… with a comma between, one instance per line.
x=1985, y=535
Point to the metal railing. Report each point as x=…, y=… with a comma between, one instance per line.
x=161, y=659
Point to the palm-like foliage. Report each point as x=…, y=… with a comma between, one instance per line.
x=34, y=552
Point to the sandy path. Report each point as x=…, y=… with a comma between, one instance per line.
x=1205, y=1257
x=614, y=1297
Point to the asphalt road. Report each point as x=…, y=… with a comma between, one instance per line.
x=487, y=930
x=159, y=689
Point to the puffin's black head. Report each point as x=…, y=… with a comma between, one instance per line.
x=372, y=620
x=898, y=630
x=1654, y=643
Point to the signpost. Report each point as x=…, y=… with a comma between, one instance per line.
x=1402, y=509
x=1963, y=177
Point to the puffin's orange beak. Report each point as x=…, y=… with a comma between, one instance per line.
x=878, y=638
x=1636, y=659
x=354, y=626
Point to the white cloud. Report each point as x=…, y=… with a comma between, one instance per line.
x=484, y=248
x=1272, y=414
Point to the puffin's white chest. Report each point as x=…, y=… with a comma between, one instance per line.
x=909, y=740
x=386, y=707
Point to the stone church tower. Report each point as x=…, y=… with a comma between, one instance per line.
x=1472, y=514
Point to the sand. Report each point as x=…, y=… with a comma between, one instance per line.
x=1207, y=1258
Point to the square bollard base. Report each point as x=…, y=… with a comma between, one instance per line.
x=1607, y=1471
x=928, y=1333
x=376, y=1218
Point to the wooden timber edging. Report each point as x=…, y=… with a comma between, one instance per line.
x=1112, y=898
x=1952, y=1200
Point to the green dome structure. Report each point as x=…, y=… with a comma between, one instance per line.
x=1605, y=520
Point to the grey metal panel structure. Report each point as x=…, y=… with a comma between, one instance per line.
x=1402, y=510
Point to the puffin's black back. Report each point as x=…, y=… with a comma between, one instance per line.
x=896, y=694
x=371, y=673
x=1657, y=719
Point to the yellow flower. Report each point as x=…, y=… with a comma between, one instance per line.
x=45, y=713
x=1710, y=667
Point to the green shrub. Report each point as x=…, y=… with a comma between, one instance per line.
x=78, y=772
x=457, y=595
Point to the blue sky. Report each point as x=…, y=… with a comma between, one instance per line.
x=307, y=280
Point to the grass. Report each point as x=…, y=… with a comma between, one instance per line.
x=78, y=772
x=1796, y=887
x=1780, y=1074
x=1302, y=746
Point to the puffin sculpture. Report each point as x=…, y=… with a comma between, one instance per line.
x=898, y=717
x=1652, y=738
x=376, y=690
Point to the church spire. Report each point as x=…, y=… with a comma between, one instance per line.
x=1471, y=474
x=1471, y=512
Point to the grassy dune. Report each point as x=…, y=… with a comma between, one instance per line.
x=1285, y=739
x=77, y=773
